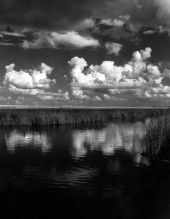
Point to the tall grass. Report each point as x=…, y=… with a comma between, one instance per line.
x=39, y=117
x=156, y=143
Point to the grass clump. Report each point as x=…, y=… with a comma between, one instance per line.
x=156, y=143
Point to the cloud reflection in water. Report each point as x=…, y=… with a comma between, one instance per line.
x=35, y=139
x=126, y=136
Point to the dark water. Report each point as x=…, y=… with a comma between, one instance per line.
x=78, y=173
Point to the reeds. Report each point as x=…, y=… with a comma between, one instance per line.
x=156, y=143
x=39, y=117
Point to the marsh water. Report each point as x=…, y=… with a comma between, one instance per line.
x=85, y=172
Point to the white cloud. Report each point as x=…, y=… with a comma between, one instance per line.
x=34, y=82
x=29, y=79
x=78, y=94
x=86, y=24
x=125, y=17
x=112, y=22
x=22, y=91
x=106, y=97
x=149, y=32
x=97, y=98
x=137, y=76
x=70, y=39
x=134, y=73
x=113, y=48
x=146, y=53
x=40, y=93
x=60, y=95
x=157, y=92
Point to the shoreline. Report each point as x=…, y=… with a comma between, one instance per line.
x=12, y=107
x=34, y=116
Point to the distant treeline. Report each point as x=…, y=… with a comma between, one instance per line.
x=39, y=117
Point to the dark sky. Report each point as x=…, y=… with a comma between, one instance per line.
x=93, y=52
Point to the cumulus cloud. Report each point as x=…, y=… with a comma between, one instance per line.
x=113, y=48
x=79, y=94
x=108, y=74
x=33, y=82
x=97, y=98
x=138, y=76
x=29, y=79
x=106, y=96
x=48, y=39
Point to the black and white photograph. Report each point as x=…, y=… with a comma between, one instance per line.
x=85, y=109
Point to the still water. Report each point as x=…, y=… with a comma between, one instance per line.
x=90, y=172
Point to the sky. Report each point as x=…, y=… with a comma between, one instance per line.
x=85, y=53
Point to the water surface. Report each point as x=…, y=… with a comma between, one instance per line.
x=90, y=172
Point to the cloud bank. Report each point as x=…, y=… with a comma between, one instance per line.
x=138, y=76
x=65, y=15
